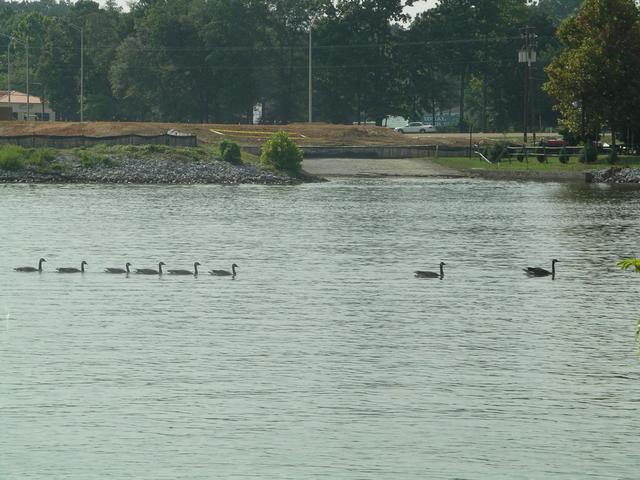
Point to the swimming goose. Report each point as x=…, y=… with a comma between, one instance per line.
x=541, y=272
x=71, y=269
x=119, y=270
x=150, y=271
x=225, y=273
x=186, y=272
x=424, y=274
x=31, y=269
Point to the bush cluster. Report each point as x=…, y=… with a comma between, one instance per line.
x=12, y=157
x=589, y=154
x=230, y=152
x=15, y=157
x=90, y=159
x=282, y=153
x=564, y=156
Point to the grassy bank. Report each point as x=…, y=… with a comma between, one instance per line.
x=141, y=164
x=550, y=165
x=48, y=160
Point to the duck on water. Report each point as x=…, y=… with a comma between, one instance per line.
x=186, y=272
x=31, y=269
x=119, y=270
x=151, y=271
x=542, y=272
x=72, y=269
x=225, y=273
x=427, y=274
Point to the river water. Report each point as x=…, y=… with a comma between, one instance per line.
x=324, y=357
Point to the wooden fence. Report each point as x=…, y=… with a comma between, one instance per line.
x=75, y=141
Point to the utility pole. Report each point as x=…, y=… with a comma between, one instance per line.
x=310, y=71
x=28, y=97
x=81, y=30
x=9, y=70
x=528, y=55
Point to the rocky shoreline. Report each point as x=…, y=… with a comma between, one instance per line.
x=159, y=170
x=615, y=175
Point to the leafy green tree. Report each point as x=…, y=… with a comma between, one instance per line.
x=595, y=79
x=558, y=10
x=282, y=153
x=230, y=152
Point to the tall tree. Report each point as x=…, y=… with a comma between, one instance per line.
x=595, y=79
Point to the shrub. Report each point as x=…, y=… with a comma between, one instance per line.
x=12, y=157
x=154, y=148
x=92, y=160
x=497, y=151
x=57, y=167
x=564, y=157
x=589, y=154
x=40, y=157
x=282, y=153
x=230, y=152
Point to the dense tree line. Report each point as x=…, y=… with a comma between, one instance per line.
x=212, y=60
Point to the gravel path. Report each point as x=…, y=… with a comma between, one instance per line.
x=356, y=167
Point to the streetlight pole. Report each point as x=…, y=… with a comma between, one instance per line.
x=528, y=56
x=310, y=72
x=81, y=30
x=9, y=70
x=28, y=97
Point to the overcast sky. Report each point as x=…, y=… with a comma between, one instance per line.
x=418, y=7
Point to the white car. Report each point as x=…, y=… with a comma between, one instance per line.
x=416, y=127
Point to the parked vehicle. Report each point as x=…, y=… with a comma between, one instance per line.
x=554, y=142
x=416, y=127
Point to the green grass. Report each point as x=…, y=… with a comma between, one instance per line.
x=551, y=165
x=91, y=159
x=14, y=157
x=184, y=154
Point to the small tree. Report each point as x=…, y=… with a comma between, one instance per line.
x=281, y=152
x=626, y=264
x=564, y=156
x=230, y=152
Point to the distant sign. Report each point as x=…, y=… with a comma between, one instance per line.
x=443, y=119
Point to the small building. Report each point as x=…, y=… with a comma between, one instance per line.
x=16, y=105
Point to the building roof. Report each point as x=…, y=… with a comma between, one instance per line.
x=18, y=97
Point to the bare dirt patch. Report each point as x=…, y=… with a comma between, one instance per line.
x=311, y=134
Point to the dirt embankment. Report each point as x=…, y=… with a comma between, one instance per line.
x=305, y=134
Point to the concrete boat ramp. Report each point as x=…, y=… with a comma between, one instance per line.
x=377, y=167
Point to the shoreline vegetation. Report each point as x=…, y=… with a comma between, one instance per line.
x=212, y=164
x=144, y=164
x=627, y=170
